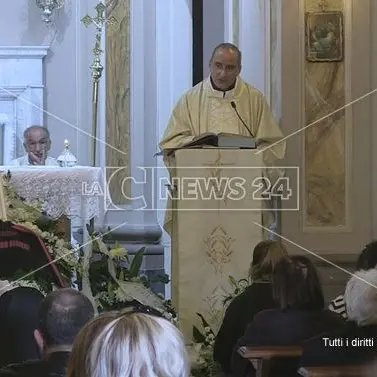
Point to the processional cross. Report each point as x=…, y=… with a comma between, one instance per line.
x=100, y=21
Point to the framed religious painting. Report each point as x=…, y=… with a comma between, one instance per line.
x=324, y=36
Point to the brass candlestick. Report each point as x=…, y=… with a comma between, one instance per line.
x=100, y=21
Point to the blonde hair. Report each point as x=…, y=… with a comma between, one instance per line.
x=267, y=254
x=136, y=345
x=77, y=360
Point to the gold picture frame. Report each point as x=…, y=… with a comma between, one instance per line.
x=324, y=36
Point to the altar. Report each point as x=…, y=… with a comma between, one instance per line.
x=74, y=193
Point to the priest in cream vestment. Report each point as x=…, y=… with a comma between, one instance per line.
x=207, y=107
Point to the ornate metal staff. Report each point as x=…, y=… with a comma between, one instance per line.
x=100, y=21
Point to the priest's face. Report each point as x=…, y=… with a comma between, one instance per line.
x=225, y=67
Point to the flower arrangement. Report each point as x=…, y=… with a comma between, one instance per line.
x=201, y=352
x=31, y=216
x=203, y=364
x=115, y=281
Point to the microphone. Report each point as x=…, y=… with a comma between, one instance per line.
x=233, y=104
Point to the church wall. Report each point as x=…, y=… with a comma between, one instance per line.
x=326, y=169
x=118, y=63
x=160, y=41
x=374, y=114
x=334, y=155
x=67, y=79
x=213, y=29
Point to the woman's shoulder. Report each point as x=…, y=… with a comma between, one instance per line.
x=255, y=289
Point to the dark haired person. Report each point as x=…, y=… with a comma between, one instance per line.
x=18, y=320
x=62, y=314
x=256, y=297
x=300, y=315
x=223, y=103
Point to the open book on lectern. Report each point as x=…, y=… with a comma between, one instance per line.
x=220, y=140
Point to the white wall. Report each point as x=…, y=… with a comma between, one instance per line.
x=373, y=23
x=213, y=29
x=67, y=74
x=173, y=60
x=253, y=34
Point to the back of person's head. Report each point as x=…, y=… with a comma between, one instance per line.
x=62, y=315
x=18, y=320
x=135, y=344
x=368, y=257
x=77, y=360
x=296, y=285
x=266, y=256
x=361, y=297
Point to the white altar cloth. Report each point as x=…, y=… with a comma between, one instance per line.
x=64, y=191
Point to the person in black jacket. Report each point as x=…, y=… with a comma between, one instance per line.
x=61, y=316
x=300, y=316
x=256, y=297
x=18, y=320
x=356, y=343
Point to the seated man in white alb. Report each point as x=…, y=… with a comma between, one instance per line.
x=37, y=144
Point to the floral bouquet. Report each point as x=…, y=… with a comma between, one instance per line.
x=201, y=352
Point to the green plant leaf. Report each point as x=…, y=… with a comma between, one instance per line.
x=232, y=281
x=197, y=335
x=110, y=290
x=137, y=261
x=204, y=322
x=121, y=275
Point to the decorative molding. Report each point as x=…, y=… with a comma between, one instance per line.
x=347, y=5
x=265, y=7
x=301, y=106
x=228, y=21
x=21, y=94
x=13, y=92
x=236, y=21
x=26, y=52
x=150, y=233
x=347, y=9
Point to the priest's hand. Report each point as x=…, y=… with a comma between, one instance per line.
x=37, y=158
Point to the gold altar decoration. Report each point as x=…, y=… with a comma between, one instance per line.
x=48, y=7
x=100, y=21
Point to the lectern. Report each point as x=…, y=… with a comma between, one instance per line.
x=217, y=198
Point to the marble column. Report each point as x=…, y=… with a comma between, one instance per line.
x=254, y=42
x=173, y=60
x=118, y=101
x=324, y=142
x=275, y=58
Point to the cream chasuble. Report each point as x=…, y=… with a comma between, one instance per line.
x=203, y=109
